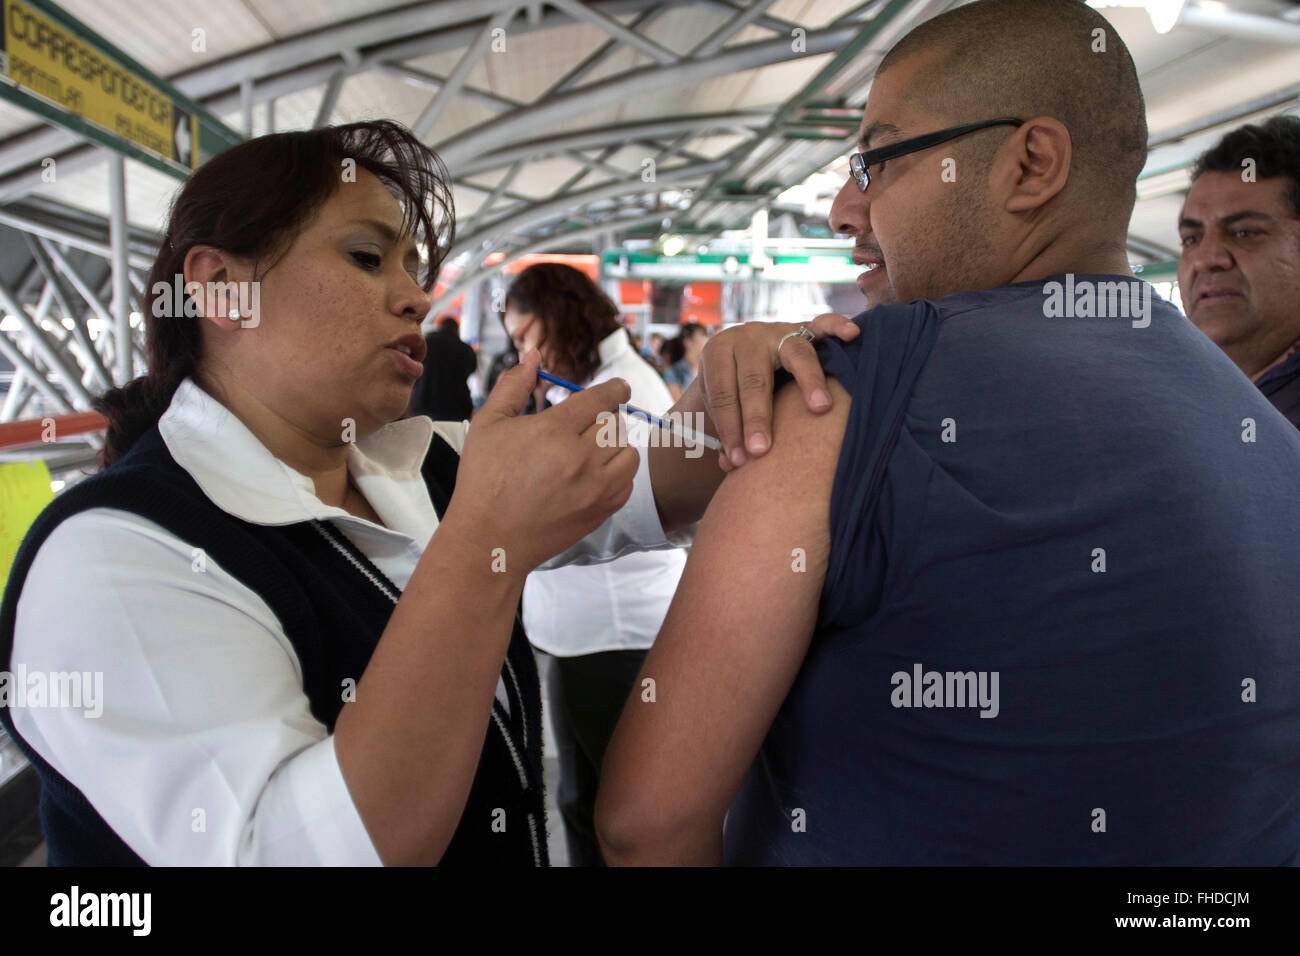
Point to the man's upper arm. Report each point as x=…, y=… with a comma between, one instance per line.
x=736, y=633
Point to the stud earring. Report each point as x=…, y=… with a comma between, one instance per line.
x=234, y=315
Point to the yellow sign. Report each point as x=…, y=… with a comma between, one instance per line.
x=24, y=493
x=50, y=61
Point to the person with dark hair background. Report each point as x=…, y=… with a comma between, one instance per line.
x=303, y=605
x=1239, y=269
x=681, y=371
x=652, y=348
x=670, y=353
x=442, y=392
x=592, y=623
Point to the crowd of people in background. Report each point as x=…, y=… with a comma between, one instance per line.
x=449, y=391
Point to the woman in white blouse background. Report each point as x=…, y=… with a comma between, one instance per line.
x=595, y=622
x=291, y=415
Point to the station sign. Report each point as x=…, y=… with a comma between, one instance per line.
x=58, y=68
x=821, y=266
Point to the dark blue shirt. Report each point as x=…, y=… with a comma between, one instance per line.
x=1281, y=385
x=679, y=374
x=1061, y=623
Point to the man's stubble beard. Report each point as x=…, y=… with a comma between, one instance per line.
x=967, y=223
x=960, y=265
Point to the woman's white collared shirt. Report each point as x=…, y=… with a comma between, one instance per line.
x=206, y=752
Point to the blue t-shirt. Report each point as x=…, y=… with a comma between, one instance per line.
x=679, y=373
x=1061, y=623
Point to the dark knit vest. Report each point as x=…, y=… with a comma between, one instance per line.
x=333, y=604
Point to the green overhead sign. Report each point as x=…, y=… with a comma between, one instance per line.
x=828, y=266
x=55, y=66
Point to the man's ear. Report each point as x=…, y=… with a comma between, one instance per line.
x=210, y=267
x=1038, y=165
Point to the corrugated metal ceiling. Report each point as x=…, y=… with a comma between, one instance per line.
x=1186, y=73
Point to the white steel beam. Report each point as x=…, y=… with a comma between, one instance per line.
x=497, y=190
x=473, y=53
x=540, y=212
x=9, y=348
x=588, y=14
x=540, y=117
x=94, y=363
x=591, y=61
x=699, y=125
x=718, y=38
x=49, y=352
x=432, y=82
x=542, y=245
x=117, y=232
x=37, y=228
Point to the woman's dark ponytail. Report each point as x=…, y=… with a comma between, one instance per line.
x=132, y=410
x=252, y=201
x=172, y=347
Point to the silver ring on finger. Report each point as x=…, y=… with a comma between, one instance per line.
x=803, y=332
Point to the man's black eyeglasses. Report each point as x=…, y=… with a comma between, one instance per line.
x=859, y=163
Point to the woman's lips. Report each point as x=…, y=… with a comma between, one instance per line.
x=409, y=365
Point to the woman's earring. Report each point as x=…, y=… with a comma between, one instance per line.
x=234, y=315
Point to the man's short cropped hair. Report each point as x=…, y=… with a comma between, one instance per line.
x=1274, y=145
x=1026, y=58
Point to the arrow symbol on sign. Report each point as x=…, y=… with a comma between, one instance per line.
x=183, y=140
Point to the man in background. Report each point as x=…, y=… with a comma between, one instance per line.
x=1239, y=270
x=442, y=392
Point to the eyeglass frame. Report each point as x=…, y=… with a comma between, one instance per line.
x=860, y=163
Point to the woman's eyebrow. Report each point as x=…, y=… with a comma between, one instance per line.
x=389, y=233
